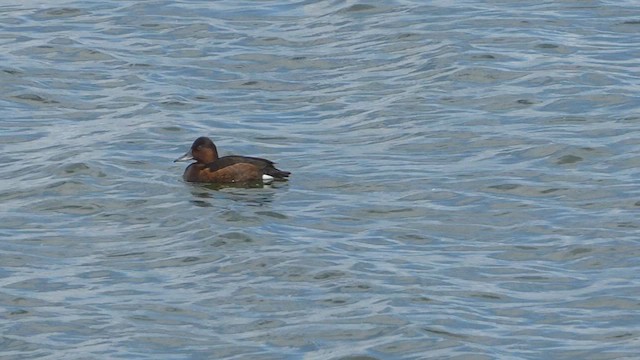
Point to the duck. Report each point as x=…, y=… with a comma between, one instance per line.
x=209, y=168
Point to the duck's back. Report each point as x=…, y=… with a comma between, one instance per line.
x=265, y=166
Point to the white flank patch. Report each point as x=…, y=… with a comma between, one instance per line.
x=267, y=179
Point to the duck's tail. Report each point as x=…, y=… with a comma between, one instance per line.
x=277, y=174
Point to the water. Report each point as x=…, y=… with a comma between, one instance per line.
x=464, y=180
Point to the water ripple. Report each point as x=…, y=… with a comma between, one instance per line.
x=464, y=180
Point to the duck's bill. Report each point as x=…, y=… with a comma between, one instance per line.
x=186, y=157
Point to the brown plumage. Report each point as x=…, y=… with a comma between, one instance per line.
x=210, y=168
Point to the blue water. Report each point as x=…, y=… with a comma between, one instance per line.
x=465, y=180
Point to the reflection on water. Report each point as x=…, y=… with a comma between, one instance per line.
x=252, y=194
x=465, y=180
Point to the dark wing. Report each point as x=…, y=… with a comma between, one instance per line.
x=266, y=166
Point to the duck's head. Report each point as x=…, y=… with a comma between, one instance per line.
x=203, y=151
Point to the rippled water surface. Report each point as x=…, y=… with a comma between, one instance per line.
x=465, y=180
